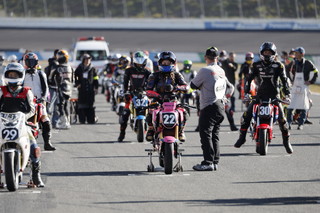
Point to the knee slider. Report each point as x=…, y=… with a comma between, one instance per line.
x=35, y=152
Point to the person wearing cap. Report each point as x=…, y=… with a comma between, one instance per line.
x=303, y=74
x=86, y=80
x=212, y=83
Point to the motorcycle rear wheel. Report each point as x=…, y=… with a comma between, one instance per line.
x=263, y=141
x=11, y=175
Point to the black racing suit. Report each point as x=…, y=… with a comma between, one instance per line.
x=267, y=76
x=243, y=75
x=163, y=83
x=134, y=80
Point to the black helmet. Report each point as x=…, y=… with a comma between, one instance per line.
x=30, y=60
x=271, y=47
x=168, y=55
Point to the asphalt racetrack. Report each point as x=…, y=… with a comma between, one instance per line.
x=177, y=41
x=91, y=172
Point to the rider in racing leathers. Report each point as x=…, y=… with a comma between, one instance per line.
x=164, y=82
x=37, y=81
x=15, y=97
x=267, y=71
x=135, y=78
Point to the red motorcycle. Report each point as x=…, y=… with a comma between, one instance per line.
x=265, y=114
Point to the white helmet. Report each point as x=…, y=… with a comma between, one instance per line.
x=12, y=59
x=140, y=58
x=13, y=67
x=114, y=59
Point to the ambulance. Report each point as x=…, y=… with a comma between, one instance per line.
x=96, y=47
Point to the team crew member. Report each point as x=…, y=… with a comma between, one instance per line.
x=63, y=76
x=212, y=82
x=14, y=97
x=301, y=69
x=37, y=81
x=86, y=80
x=267, y=72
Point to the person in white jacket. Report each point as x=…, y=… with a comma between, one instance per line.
x=37, y=81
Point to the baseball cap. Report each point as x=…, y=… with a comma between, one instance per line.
x=212, y=51
x=300, y=50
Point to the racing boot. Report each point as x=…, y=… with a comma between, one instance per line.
x=242, y=138
x=122, y=132
x=36, y=177
x=150, y=134
x=287, y=144
x=46, y=134
x=182, y=136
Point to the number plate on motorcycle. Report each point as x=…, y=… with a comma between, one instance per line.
x=10, y=134
x=169, y=119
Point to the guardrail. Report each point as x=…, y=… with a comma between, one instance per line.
x=162, y=24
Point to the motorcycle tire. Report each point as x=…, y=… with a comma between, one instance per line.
x=168, y=158
x=11, y=175
x=263, y=141
x=140, y=131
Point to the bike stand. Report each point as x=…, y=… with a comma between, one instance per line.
x=150, y=167
x=178, y=167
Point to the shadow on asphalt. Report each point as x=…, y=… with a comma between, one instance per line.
x=280, y=181
x=100, y=173
x=231, y=202
x=87, y=142
x=298, y=144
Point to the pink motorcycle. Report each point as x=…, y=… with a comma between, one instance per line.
x=166, y=119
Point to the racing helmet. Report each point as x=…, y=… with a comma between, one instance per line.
x=272, y=48
x=62, y=56
x=187, y=64
x=139, y=59
x=249, y=55
x=13, y=81
x=223, y=55
x=124, y=61
x=167, y=55
x=12, y=59
x=30, y=60
x=114, y=59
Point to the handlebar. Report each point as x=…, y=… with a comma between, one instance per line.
x=255, y=98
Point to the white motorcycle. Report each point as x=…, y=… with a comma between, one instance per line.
x=14, y=147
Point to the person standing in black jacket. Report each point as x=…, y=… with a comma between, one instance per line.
x=86, y=80
x=52, y=106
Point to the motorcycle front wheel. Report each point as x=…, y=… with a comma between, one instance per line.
x=168, y=158
x=263, y=141
x=11, y=174
x=140, y=131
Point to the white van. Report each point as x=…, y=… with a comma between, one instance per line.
x=96, y=47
